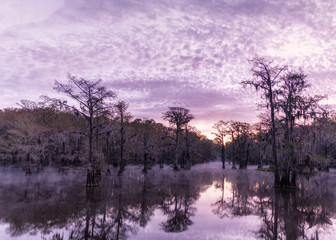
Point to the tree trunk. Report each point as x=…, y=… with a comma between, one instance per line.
x=247, y=157
x=122, y=142
x=144, y=170
x=90, y=178
x=223, y=156
x=176, y=149
x=233, y=153
x=275, y=160
x=187, y=155
x=276, y=215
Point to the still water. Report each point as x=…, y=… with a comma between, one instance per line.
x=203, y=203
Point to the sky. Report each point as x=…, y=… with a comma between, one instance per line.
x=160, y=53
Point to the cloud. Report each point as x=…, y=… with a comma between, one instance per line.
x=159, y=53
x=16, y=12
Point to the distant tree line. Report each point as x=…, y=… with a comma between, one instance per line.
x=96, y=133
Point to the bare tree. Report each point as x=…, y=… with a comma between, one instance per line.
x=261, y=137
x=147, y=141
x=233, y=136
x=179, y=117
x=122, y=116
x=242, y=132
x=92, y=99
x=222, y=130
x=265, y=78
x=186, y=164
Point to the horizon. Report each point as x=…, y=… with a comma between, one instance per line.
x=158, y=54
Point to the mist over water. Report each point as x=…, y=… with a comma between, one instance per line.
x=203, y=203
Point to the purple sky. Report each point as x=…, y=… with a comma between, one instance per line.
x=161, y=53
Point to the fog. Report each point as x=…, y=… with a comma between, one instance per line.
x=203, y=203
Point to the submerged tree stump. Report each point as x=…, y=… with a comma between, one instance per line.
x=144, y=170
x=28, y=171
x=90, y=179
x=187, y=166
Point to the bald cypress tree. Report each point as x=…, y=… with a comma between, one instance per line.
x=177, y=117
x=92, y=102
x=265, y=78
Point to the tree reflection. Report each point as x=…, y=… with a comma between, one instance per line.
x=146, y=212
x=242, y=204
x=114, y=210
x=291, y=214
x=178, y=207
x=296, y=214
x=238, y=201
x=48, y=205
x=221, y=205
x=115, y=219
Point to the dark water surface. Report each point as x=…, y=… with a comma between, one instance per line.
x=203, y=203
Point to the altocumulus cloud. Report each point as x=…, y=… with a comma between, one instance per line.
x=160, y=53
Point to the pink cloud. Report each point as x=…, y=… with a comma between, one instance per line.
x=160, y=53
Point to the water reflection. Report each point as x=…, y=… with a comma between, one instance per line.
x=285, y=214
x=178, y=205
x=298, y=214
x=203, y=203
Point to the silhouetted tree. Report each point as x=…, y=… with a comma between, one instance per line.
x=265, y=78
x=295, y=106
x=148, y=137
x=179, y=117
x=261, y=137
x=92, y=99
x=241, y=131
x=123, y=117
x=222, y=130
x=186, y=164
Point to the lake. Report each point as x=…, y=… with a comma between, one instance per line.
x=205, y=202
